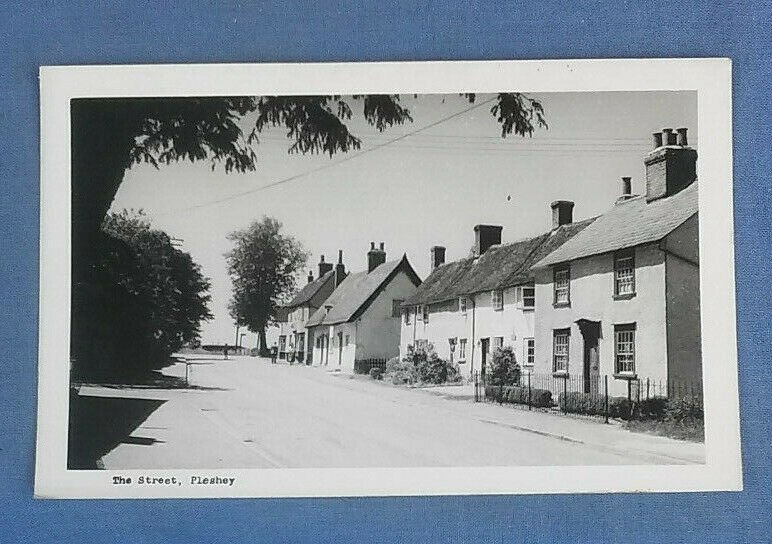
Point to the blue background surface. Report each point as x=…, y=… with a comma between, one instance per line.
x=40, y=33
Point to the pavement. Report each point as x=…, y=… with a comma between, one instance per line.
x=247, y=413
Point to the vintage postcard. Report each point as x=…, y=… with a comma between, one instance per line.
x=387, y=279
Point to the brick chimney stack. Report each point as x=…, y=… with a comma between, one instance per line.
x=437, y=254
x=486, y=236
x=562, y=213
x=323, y=266
x=340, y=269
x=375, y=257
x=671, y=166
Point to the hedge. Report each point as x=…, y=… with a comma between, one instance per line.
x=595, y=405
x=513, y=394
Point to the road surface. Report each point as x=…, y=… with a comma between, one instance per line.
x=247, y=413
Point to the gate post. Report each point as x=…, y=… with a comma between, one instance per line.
x=565, y=394
x=605, y=392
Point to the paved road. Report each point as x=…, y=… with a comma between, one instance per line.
x=251, y=414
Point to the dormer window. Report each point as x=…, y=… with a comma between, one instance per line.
x=562, y=283
x=425, y=310
x=462, y=305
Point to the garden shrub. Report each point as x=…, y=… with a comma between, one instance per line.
x=513, y=394
x=595, y=405
x=685, y=410
x=582, y=403
x=421, y=366
x=400, y=371
x=376, y=373
x=652, y=408
x=503, y=368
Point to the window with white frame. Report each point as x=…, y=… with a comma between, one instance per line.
x=407, y=315
x=530, y=351
x=624, y=348
x=624, y=273
x=497, y=299
x=560, y=340
x=526, y=297
x=562, y=282
x=461, y=350
x=498, y=342
x=462, y=305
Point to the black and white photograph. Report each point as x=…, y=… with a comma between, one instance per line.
x=479, y=278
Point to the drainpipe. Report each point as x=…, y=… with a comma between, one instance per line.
x=472, y=343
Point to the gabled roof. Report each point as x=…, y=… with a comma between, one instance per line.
x=309, y=291
x=357, y=291
x=628, y=224
x=501, y=266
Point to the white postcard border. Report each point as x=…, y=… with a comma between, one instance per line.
x=711, y=78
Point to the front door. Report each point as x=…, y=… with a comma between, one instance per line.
x=485, y=344
x=591, y=334
x=340, y=348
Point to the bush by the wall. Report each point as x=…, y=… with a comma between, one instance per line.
x=652, y=408
x=400, y=371
x=513, y=394
x=376, y=373
x=685, y=410
x=595, y=405
x=503, y=368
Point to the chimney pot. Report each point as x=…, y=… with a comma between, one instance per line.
x=672, y=168
x=310, y=276
x=375, y=257
x=437, y=254
x=340, y=269
x=682, y=141
x=562, y=213
x=324, y=267
x=657, y=139
x=627, y=186
x=486, y=236
x=668, y=136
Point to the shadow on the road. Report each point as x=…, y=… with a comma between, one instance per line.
x=154, y=380
x=98, y=424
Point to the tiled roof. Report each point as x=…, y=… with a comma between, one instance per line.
x=308, y=291
x=355, y=291
x=628, y=224
x=501, y=266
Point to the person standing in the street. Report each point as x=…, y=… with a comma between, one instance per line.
x=225, y=352
x=274, y=353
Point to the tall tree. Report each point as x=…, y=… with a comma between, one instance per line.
x=263, y=266
x=148, y=299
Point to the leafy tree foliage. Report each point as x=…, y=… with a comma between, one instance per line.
x=504, y=369
x=263, y=265
x=144, y=300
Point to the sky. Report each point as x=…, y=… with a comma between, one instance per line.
x=447, y=171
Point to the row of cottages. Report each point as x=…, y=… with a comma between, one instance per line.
x=295, y=343
x=467, y=308
x=360, y=319
x=614, y=295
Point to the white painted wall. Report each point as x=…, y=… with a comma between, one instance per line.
x=512, y=323
x=592, y=290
